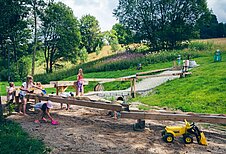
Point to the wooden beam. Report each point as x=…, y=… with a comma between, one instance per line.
x=74, y=101
x=109, y=79
x=216, y=119
x=162, y=75
x=153, y=71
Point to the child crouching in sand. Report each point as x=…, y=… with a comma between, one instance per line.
x=44, y=109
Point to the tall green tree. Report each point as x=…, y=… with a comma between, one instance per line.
x=123, y=34
x=90, y=32
x=14, y=32
x=61, y=34
x=210, y=28
x=163, y=23
x=112, y=39
x=14, y=27
x=37, y=7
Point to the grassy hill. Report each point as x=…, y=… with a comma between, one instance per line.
x=202, y=92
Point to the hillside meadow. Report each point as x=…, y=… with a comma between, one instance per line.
x=201, y=92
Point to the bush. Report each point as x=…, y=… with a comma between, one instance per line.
x=200, y=46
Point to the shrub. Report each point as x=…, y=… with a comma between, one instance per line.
x=200, y=46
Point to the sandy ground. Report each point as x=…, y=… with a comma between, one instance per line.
x=86, y=130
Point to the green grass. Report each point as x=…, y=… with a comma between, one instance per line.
x=14, y=140
x=202, y=92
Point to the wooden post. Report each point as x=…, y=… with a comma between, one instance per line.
x=133, y=88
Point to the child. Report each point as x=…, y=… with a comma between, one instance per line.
x=80, y=82
x=40, y=89
x=26, y=88
x=11, y=93
x=44, y=109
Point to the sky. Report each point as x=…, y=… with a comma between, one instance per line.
x=102, y=10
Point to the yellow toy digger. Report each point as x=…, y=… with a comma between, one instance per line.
x=187, y=131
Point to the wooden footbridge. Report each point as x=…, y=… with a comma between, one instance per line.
x=126, y=113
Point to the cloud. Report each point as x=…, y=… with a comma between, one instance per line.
x=219, y=9
x=102, y=10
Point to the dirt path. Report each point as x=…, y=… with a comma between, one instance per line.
x=86, y=130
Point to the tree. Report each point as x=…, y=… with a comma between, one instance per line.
x=15, y=34
x=13, y=26
x=36, y=8
x=210, y=28
x=61, y=34
x=90, y=32
x=112, y=39
x=123, y=34
x=163, y=23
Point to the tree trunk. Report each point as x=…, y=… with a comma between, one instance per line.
x=1, y=111
x=35, y=39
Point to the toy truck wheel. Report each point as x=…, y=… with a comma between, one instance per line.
x=168, y=138
x=187, y=139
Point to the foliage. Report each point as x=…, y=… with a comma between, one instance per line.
x=14, y=140
x=112, y=39
x=61, y=34
x=83, y=55
x=123, y=34
x=14, y=29
x=18, y=70
x=210, y=28
x=164, y=24
x=200, y=46
x=90, y=32
x=37, y=7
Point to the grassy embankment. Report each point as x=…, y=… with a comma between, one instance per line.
x=14, y=140
x=202, y=92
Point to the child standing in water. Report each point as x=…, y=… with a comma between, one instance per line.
x=80, y=82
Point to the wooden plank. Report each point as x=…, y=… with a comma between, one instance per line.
x=217, y=119
x=73, y=101
x=48, y=85
x=153, y=71
x=108, y=79
x=162, y=75
x=66, y=83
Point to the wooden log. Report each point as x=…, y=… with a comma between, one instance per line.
x=73, y=101
x=216, y=119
